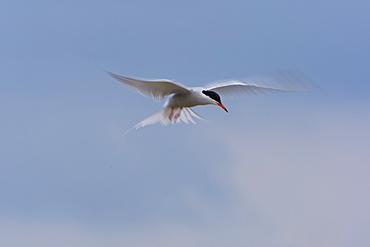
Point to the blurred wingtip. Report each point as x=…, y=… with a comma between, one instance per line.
x=110, y=73
x=293, y=81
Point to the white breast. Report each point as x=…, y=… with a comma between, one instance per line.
x=193, y=98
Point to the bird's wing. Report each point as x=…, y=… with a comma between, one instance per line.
x=157, y=89
x=259, y=84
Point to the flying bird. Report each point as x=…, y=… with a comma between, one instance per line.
x=178, y=106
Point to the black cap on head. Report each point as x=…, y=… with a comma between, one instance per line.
x=212, y=95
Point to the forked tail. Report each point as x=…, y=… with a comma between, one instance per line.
x=169, y=115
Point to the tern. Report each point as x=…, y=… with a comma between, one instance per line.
x=178, y=106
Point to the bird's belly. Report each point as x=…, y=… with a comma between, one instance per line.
x=185, y=100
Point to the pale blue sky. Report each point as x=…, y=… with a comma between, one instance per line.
x=285, y=169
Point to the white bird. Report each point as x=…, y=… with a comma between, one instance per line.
x=178, y=107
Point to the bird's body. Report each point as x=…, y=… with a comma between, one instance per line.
x=191, y=98
x=178, y=106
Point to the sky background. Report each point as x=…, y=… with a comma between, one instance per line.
x=284, y=170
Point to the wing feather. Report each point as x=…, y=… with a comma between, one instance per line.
x=157, y=89
x=259, y=84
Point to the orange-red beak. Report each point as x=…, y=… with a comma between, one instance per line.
x=222, y=106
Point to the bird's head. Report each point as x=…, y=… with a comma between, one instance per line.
x=215, y=97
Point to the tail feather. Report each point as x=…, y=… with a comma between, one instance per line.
x=169, y=115
x=187, y=116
